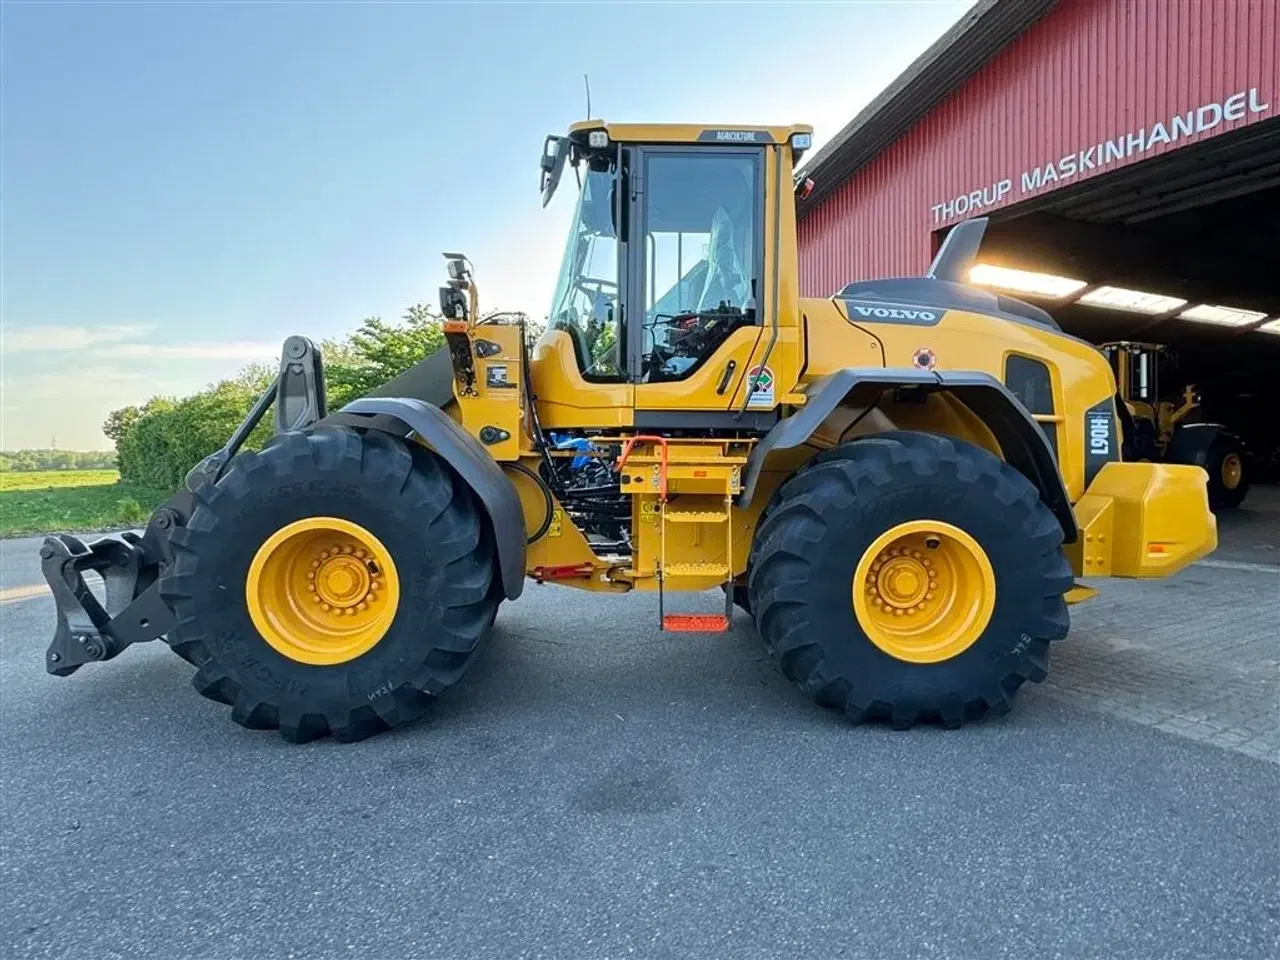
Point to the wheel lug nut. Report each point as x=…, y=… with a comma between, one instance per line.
x=315, y=599
x=362, y=605
x=359, y=554
x=350, y=611
x=898, y=612
x=324, y=554
x=346, y=549
x=325, y=607
x=311, y=587
x=928, y=596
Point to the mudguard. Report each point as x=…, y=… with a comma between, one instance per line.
x=1020, y=437
x=402, y=416
x=1191, y=443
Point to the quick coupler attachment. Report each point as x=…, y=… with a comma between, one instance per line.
x=90, y=629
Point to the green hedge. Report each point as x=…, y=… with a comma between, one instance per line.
x=160, y=441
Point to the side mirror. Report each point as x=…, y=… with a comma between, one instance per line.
x=453, y=303
x=555, y=151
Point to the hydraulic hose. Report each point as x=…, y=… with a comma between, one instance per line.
x=547, y=497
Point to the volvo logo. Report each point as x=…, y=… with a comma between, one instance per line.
x=895, y=313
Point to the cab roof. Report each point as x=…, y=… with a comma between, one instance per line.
x=690, y=132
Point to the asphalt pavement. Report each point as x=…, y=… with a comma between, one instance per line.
x=595, y=788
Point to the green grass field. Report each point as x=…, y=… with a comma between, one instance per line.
x=54, y=501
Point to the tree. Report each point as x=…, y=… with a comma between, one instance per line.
x=119, y=422
x=160, y=441
x=378, y=351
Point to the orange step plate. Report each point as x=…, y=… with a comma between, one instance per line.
x=695, y=623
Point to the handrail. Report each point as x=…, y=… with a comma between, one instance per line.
x=662, y=463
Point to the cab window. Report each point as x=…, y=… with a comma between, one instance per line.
x=701, y=256
x=585, y=304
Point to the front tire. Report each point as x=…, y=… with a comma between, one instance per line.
x=1228, y=478
x=846, y=602
x=398, y=633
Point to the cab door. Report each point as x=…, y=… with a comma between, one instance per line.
x=695, y=282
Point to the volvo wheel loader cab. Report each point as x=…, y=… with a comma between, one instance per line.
x=900, y=483
x=1166, y=430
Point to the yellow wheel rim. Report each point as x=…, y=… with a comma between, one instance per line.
x=322, y=590
x=1232, y=471
x=924, y=591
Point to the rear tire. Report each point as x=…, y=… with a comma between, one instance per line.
x=808, y=551
x=410, y=500
x=1228, y=478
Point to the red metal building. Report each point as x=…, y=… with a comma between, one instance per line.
x=1067, y=108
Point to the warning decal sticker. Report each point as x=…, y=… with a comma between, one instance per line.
x=764, y=393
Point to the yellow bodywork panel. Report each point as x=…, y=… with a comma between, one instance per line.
x=832, y=342
x=706, y=133
x=1081, y=377
x=693, y=533
x=1143, y=520
x=496, y=409
x=720, y=382
x=702, y=389
x=563, y=544
x=566, y=399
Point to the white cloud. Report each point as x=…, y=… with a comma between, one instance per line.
x=120, y=340
x=244, y=350
x=48, y=386
x=125, y=340
x=51, y=337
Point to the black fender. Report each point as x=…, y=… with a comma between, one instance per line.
x=402, y=416
x=1191, y=443
x=1024, y=444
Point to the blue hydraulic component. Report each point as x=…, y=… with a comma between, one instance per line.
x=581, y=444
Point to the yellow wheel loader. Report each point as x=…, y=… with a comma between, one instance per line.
x=900, y=482
x=1155, y=429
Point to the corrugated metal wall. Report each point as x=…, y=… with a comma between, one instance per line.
x=1091, y=71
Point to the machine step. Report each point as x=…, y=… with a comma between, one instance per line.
x=695, y=516
x=695, y=623
x=720, y=570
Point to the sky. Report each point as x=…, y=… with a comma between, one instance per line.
x=183, y=185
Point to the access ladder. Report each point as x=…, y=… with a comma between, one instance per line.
x=686, y=490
